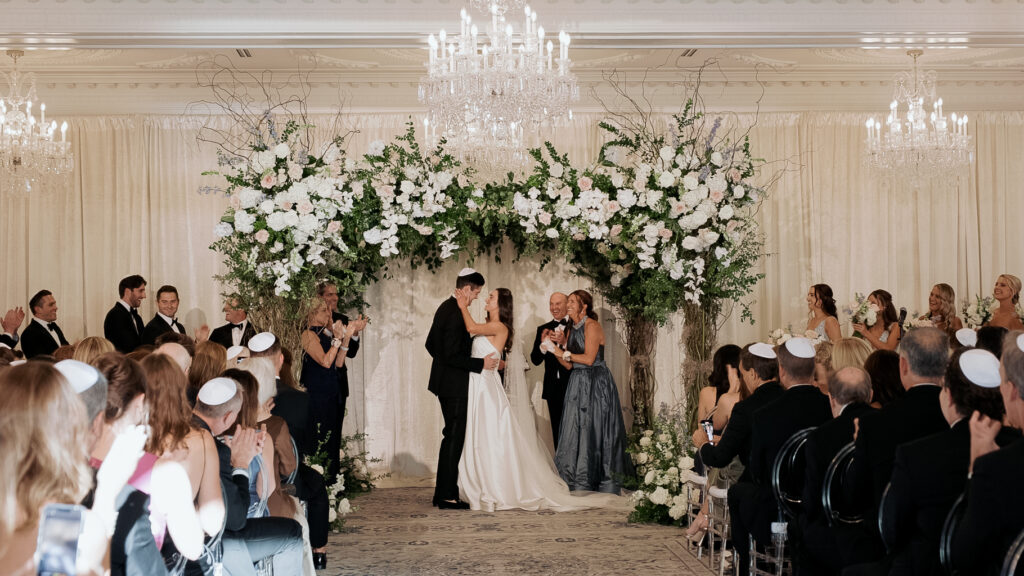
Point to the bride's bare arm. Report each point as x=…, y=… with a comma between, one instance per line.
x=491, y=328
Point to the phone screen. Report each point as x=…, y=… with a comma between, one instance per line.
x=709, y=429
x=57, y=545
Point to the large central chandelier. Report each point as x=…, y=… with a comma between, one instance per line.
x=485, y=91
x=32, y=158
x=918, y=145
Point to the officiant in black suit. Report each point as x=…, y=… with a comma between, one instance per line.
x=164, y=321
x=42, y=335
x=450, y=346
x=556, y=376
x=123, y=326
x=238, y=330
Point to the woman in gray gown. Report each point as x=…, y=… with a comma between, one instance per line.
x=592, y=442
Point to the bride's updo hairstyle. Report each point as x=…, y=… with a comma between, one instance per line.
x=823, y=292
x=505, y=314
x=585, y=299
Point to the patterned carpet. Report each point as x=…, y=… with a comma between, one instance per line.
x=397, y=531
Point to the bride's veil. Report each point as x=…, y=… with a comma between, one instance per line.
x=519, y=401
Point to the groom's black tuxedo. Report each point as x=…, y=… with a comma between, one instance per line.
x=556, y=377
x=450, y=346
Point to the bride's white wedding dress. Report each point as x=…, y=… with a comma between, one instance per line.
x=504, y=465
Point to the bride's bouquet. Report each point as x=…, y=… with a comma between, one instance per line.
x=781, y=335
x=861, y=311
x=978, y=311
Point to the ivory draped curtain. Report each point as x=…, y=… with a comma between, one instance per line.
x=137, y=206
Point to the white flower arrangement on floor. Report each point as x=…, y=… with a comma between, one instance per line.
x=661, y=462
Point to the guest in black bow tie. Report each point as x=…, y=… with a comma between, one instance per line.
x=123, y=326
x=165, y=320
x=42, y=335
x=556, y=376
x=238, y=330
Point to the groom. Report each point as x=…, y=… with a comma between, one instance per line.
x=450, y=346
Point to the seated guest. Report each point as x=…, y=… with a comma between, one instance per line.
x=165, y=319
x=850, y=352
x=91, y=348
x=924, y=355
x=238, y=329
x=178, y=353
x=991, y=338
x=42, y=335
x=10, y=324
x=929, y=474
x=885, y=333
x=995, y=504
x=245, y=540
x=965, y=338
x=141, y=352
x=262, y=481
x=849, y=392
x=64, y=353
x=210, y=361
x=1007, y=294
x=822, y=365
x=123, y=326
x=884, y=368
x=751, y=504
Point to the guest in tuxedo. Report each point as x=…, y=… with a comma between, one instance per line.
x=924, y=355
x=238, y=329
x=245, y=540
x=801, y=406
x=929, y=474
x=164, y=320
x=123, y=326
x=556, y=377
x=849, y=393
x=11, y=323
x=995, y=502
x=42, y=335
x=450, y=348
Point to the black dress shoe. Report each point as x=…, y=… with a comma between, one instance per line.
x=456, y=505
x=320, y=560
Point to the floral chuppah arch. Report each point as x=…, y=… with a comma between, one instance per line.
x=661, y=222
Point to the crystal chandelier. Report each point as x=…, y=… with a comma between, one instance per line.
x=485, y=92
x=32, y=159
x=918, y=146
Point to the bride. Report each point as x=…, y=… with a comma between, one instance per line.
x=504, y=464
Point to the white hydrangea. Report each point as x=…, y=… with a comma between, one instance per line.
x=716, y=158
x=223, y=229
x=277, y=221
x=645, y=441
x=690, y=181
x=666, y=179
x=726, y=212
x=373, y=236
x=667, y=153
x=649, y=478
x=660, y=495
x=282, y=150
x=244, y=221
x=626, y=198
x=376, y=148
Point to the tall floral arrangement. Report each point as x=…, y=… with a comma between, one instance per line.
x=661, y=462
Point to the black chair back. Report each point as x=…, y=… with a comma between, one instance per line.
x=1013, y=556
x=788, y=473
x=832, y=489
x=949, y=527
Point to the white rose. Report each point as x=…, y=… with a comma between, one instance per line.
x=556, y=170
x=618, y=179
x=691, y=243
x=407, y=187
x=626, y=198
x=649, y=478
x=641, y=458
x=376, y=148
x=331, y=515
x=344, y=507
x=737, y=191
x=244, y=221
x=666, y=180
x=659, y=496
x=267, y=206
x=664, y=437
x=645, y=441
x=667, y=153
x=653, y=196
x=726, y=212
x=276, y=221
x=686, y=463
x=373, y=236
x=716, y=158
x=282, y=150
x=551, y=233
x=690, y=181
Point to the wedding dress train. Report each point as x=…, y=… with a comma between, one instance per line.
x=504, y=464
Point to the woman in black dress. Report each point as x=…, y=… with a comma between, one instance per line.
x=324, y=346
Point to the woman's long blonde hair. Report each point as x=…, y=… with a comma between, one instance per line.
x=43, y=445
x=850, y=352
x=91, y=348
x=947, y=298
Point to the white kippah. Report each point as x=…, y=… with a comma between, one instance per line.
x=218, y=391
x=79, y=374
x=800, y=347
x=1020, y=342
x=234, y=351
x=466, y=272
x=762, y=350
x=981, y=367
x=261, y=341
x=967, y=337
x=3, y=345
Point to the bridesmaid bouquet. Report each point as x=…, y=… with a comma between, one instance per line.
x=781, y=335
x=861, y=311
x=914, y=321
x=979, y=311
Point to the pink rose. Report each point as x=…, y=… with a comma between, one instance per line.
x=612, y=206
x=585, y=183
x=616, y=230
x=579, y=236
x=268, y=180
x=333, y=227
x=717, y=196
x=262, y=236
x=305, y=207
x=665, y=233
x=731, y=226
x=286, y=206
x=734, y=175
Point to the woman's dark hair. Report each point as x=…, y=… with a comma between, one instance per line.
x=888, y=311
x=968, y=397
x=171, y=419
x=250, y=389
x=728, y=355
x=991, y=338
x=125, y=382
x=505, y=315
x=586, y=300
x=823, y=292
x=884, y=368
